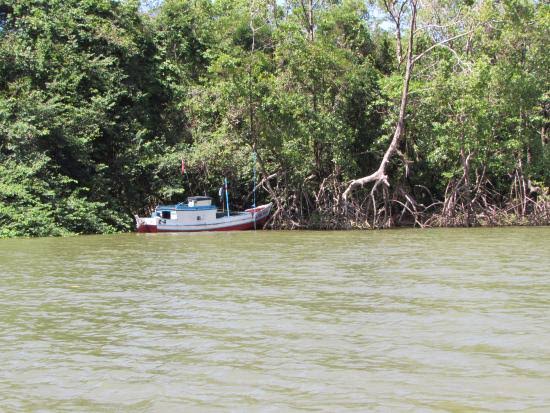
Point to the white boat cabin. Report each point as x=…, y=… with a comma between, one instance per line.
x=197, y=210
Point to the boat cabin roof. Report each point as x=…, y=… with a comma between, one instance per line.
x=198, y=198
x=194, y=203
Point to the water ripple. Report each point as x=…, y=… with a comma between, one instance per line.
x=408, y=320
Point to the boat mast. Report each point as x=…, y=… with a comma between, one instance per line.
x=226, y=195
x=254, y=187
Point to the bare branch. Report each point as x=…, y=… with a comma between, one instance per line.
x=418, y=57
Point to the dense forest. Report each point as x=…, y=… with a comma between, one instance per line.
x=354, y=114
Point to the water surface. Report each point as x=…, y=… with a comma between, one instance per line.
x=408, y=320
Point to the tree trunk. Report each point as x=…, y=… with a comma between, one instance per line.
x=396, y=14
x=308, y=15
x=380, y=175
x=399, y=52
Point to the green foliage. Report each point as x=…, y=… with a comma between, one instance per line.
x=78, y=87
x=99, y=101
x=35, y=200
x=487, y=103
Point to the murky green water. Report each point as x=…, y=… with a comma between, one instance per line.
x=407, y=320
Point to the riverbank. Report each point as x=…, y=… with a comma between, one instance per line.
x=539, y=215
x=438, y=215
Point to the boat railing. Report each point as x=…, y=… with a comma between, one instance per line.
x=185, y=207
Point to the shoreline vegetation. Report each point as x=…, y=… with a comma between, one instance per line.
x=354, y=114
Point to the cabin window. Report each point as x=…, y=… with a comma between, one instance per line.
x=198, y=218
x=166, y=214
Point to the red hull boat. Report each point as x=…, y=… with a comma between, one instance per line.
x=198, y=214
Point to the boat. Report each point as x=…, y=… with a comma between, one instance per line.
x=198, y=214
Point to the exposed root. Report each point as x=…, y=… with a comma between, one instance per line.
x=466, y=202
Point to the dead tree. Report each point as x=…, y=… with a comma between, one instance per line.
x=380, y=175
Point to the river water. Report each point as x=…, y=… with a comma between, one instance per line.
x=436, y=320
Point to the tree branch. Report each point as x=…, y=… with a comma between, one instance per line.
x=416, y=58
